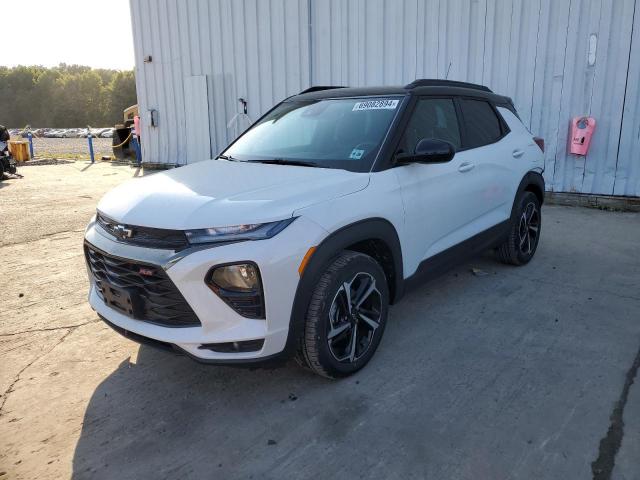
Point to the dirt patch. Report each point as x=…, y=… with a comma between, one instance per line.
x=37, y=162
x=55, y=198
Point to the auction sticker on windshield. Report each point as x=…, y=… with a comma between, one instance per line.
x=375, y=105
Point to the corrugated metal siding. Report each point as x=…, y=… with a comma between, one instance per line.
x=533, y=51
x=596, y=90
x=252, y=49
x=386, y=42
x=627, y=180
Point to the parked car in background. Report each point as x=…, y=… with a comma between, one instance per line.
x=297, y=238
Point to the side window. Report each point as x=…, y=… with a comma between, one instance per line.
x=482, y=126
x=432, y=118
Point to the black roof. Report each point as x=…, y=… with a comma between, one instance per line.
x=418, y=87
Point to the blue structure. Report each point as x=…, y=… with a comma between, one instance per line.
x=90, y=140
x=30, y=137
x=136, y=146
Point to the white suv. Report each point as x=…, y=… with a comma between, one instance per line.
x=295, y=240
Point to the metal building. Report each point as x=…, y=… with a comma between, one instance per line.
x=557, y=59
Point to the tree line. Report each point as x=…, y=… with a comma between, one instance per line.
x=65, y=96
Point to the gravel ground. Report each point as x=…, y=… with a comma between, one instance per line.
x=70, y=147
x=517, y=374
x=55, y=198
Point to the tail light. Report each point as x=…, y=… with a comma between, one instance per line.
x=540, y=142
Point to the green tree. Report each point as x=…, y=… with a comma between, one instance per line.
x=64, y=96
x=44, y=97
x=121, y=94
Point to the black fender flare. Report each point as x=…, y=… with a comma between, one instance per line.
x=533, y=182
x=326, y=251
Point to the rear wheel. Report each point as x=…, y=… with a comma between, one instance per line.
x=524, y=233
x=346, y=316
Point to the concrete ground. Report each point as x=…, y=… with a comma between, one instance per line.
x=505, y=373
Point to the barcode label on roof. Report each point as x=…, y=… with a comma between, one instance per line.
x=376, y=105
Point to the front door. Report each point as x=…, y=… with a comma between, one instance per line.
x=439, y=198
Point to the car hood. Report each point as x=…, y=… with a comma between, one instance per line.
x=223, y=193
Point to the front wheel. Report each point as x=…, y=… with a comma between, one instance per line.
x=524, y=233
x=346, y=316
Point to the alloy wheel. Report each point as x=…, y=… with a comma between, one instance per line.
x=354, y=317
x=529, y=228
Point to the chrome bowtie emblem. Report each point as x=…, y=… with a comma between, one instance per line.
x=121, y=231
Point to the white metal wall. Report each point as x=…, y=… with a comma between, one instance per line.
x=532, y=50
x=252, y=49
x=627, y=180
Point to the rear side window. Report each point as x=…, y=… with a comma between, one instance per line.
x=482, y=126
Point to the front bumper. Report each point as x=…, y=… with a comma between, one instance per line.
x=173, y=348
x=277, y=258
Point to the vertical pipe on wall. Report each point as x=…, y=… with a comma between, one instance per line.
x=310, y=34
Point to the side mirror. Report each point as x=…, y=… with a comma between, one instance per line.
x=429, y=150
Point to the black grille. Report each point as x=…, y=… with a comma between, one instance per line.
x=247, y=304
x=156, y=298
x=144, y=236
x=234, y=347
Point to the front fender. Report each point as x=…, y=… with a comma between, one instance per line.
x=329, y=248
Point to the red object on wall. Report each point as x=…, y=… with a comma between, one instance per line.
x=582, y=129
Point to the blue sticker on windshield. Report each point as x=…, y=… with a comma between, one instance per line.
x=356, y=154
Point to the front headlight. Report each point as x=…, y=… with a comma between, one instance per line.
x=235, y=233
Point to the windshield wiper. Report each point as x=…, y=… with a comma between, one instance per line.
x=227, y=157
x=284, y=161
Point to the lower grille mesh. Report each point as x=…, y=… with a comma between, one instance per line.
x=160, y=302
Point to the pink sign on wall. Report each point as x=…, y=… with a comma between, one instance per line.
x=582, y=129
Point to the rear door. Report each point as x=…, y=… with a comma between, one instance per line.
x=521, y=140
x=494, y=153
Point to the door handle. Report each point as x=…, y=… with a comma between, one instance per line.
x=517, y=153
x=465, y=167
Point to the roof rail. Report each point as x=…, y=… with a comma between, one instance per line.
x=434, y=82
x=319, y=88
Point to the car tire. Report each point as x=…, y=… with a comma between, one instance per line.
x=346, y=316
x=524, y=232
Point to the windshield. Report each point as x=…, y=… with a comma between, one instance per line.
x=341, y=133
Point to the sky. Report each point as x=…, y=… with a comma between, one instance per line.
x=96, y=33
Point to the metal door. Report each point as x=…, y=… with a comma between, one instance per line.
x=197, y=119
